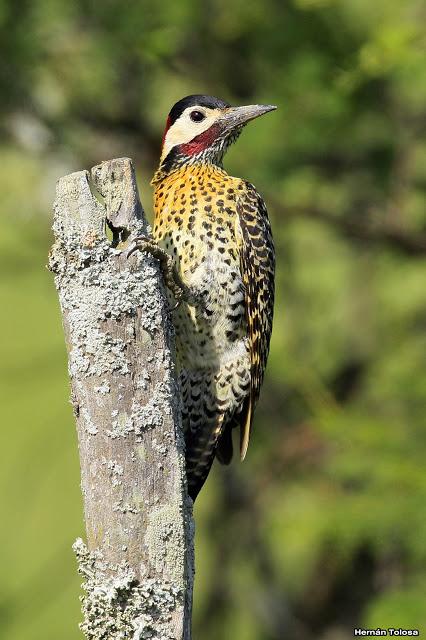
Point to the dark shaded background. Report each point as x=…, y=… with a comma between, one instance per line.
x=323, y=528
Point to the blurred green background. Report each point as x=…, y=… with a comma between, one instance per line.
x=323, y=528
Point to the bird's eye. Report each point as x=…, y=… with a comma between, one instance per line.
x=197, y=116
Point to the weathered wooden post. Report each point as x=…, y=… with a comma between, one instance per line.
x=138, y=561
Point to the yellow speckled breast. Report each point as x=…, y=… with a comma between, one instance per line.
x=196, y=222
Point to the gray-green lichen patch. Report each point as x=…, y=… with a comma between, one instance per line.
x=88, y=422
x=116, y=606
x=125, y=507
x=103, y=388
x=116, y=471
x=165, y=541
x=97, y=285
x=141, y=382
x=91, y=297
x=151, y=414
x=122, y=425
x=142, y=417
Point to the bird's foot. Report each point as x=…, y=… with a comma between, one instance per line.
x=171, y=277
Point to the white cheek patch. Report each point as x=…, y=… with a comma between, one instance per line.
x=184, y=129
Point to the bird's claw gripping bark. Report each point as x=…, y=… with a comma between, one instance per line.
x=171, y=277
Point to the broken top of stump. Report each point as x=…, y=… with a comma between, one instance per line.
x=86, y=216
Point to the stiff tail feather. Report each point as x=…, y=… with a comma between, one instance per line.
x=200, y=453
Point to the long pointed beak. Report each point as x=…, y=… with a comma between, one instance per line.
x=235, y=117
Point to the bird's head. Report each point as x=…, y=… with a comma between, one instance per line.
x=200, y=129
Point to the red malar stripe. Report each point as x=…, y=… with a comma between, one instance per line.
x=200, y=142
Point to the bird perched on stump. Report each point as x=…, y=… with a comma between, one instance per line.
x=213, y=238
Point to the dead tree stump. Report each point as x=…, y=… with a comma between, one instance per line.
x=138, y=561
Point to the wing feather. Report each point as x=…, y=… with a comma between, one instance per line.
x=257, y=261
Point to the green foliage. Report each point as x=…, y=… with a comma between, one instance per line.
x=323, y=528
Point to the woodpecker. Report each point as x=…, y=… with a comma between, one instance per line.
x=212, y=235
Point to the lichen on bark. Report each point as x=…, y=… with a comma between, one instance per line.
x=117, y=606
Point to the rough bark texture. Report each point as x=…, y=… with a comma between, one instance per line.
x=138, y=562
